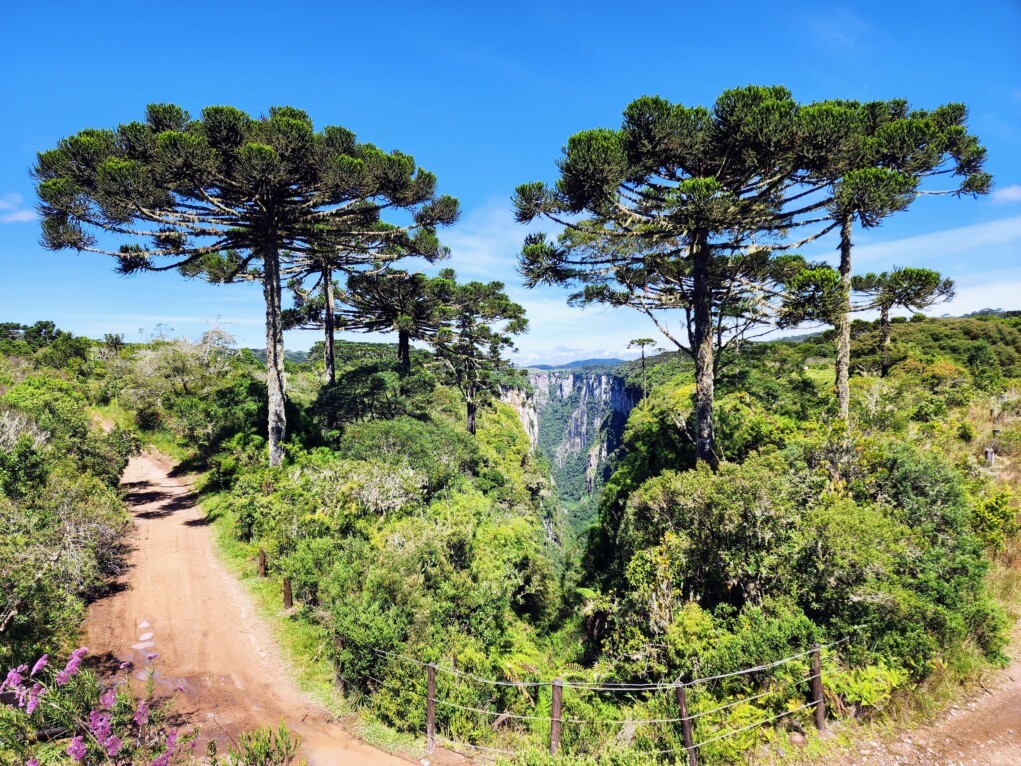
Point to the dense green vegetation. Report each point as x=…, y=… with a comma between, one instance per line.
x=60, y=512
x=402, y=534
x=757, y=500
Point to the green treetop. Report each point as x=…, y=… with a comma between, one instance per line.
x=228, y=195
x=906, y=288
x=866, y=161
x=395, y=301
x=477, y=322
x=315, y=308
x=681, y=209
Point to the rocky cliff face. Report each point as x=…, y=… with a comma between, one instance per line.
x=525, y=408
x=576, y=418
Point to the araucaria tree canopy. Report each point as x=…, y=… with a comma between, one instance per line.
x=677, y=210
x=476, y=322
x=227, y=195
x=685, y=208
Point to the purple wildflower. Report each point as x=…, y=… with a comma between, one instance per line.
x=171, y=740
x=152, y=656
x=74, y=661
x=109, y=697
x=113, y=745
x=125, y=665
x=62, y=678
x=99, y=724
x=77, y=749
x=31, y=762
x=161, y=760
x=14, y=678
x=40, y=664
x=142, y=714
x=33, y=698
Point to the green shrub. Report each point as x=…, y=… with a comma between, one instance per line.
x=994, y=518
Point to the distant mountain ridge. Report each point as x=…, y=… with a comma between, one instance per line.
x=576, y=364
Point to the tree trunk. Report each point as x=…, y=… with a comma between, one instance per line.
x=404, y=350
x=274, y=354
x=705, y=438
x=645, y=381
x=329, y=324
x=884, y=341
x=843, y=323
x=473, y=409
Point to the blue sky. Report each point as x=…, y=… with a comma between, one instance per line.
x=484, y=95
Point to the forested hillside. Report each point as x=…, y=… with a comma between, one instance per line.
x=405, y=536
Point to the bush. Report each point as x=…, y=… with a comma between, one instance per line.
x=994, y=518
x=440, y=451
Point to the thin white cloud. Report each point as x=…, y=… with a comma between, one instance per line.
x=13, y=211
x=10, y=202
x=838, y=27
x=486, y=242
x=932, y=247
x=1010, y=193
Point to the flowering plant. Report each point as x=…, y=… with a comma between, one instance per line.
x=52, y=715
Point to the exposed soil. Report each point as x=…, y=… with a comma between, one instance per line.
x=985, y=730
x=215, y=655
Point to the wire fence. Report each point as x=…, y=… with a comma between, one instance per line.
x=556, y=718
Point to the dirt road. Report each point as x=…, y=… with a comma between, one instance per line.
x=984, y=731
x=176, y=601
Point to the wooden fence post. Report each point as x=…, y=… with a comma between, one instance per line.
x=262, y=563
x=338, y=681
x=817, y=698
x=288, y=598
x=430, y=709
x=682, y=704
x=555, y=714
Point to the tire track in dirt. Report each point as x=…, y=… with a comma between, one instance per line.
x=177, y=601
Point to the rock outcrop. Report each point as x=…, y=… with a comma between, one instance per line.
x=576, y=418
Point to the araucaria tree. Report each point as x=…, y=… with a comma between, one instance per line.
x=906, y=288
x=390, y=300
x=681, y=209
x=868, y=161
x=226, y=196
x=359, y=258
x=478, y=320
x=315, y=309
x=642, y=344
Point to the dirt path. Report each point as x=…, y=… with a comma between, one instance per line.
x=984, y=731
x=176, y=601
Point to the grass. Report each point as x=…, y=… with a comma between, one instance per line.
x=955, y=680
x=305, y=645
